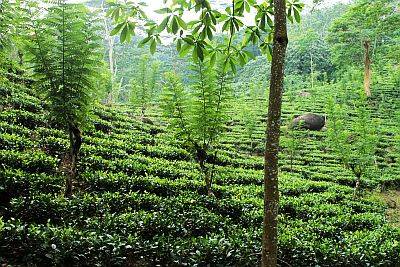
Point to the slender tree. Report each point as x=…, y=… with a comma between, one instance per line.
x=198, y=116
x=66, y=52
x=144, y=84
x=355, y=148
x=112, y=61
x=367, y=69
x=271, y=193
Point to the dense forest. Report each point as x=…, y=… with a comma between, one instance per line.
x=200, y=133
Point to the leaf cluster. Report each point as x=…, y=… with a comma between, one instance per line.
x=356, y=147
x=196, y=36
x=144, y=87
x=65, y=52
x=198, y=114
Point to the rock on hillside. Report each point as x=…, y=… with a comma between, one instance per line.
x=309, y=121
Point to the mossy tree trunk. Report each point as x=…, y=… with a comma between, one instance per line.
x=271, y=193
x=75, y=142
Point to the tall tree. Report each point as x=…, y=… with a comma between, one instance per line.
x=271, y=193
x=112, y=62
x=66, y=52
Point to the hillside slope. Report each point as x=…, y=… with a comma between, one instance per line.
x=140, y=200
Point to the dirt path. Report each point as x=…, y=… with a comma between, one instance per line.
x=392, y=199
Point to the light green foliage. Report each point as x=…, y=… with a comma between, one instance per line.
x=210, y=91
x=127, y=15
x=366, y=141
x=256, y=71
x=144, y=87
x=6, y=18
x=67, y=60
x=336, y=134
x=12, y=21
x=198, y=115
x=250, y=106
x=356, y=147
x=292, y=144
x=139, y=87
x=377, y=21
x=350, y=80
x=292, y=140
x=153, y=82
x=110, y=87
x=175, y=103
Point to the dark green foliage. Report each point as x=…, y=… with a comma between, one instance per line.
x=141, y=198
x=308, y=54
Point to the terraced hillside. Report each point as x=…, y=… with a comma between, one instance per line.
x=140, y=199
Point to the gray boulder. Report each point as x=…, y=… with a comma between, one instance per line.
x=309, y=121
x=304, y=94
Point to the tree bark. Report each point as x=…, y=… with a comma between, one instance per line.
x=75, y=142
x=367, y=69
x=312, y=71
x=357, y=186
x=271, y=193
x=111, y=60
x=201, y=159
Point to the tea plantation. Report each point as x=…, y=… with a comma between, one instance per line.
x=140, y=200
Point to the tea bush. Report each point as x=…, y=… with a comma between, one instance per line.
x=140, y=200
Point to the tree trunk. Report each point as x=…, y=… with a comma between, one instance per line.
x=358, y=173
x=291, y=160
x=367, y=69
x=312, y=71
x=75, y=142
x=111, y=60
x=208, y=182
x=142, y=113
x=207, y=177
x=201, y=159
x=357, y=186
x=271, y=193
